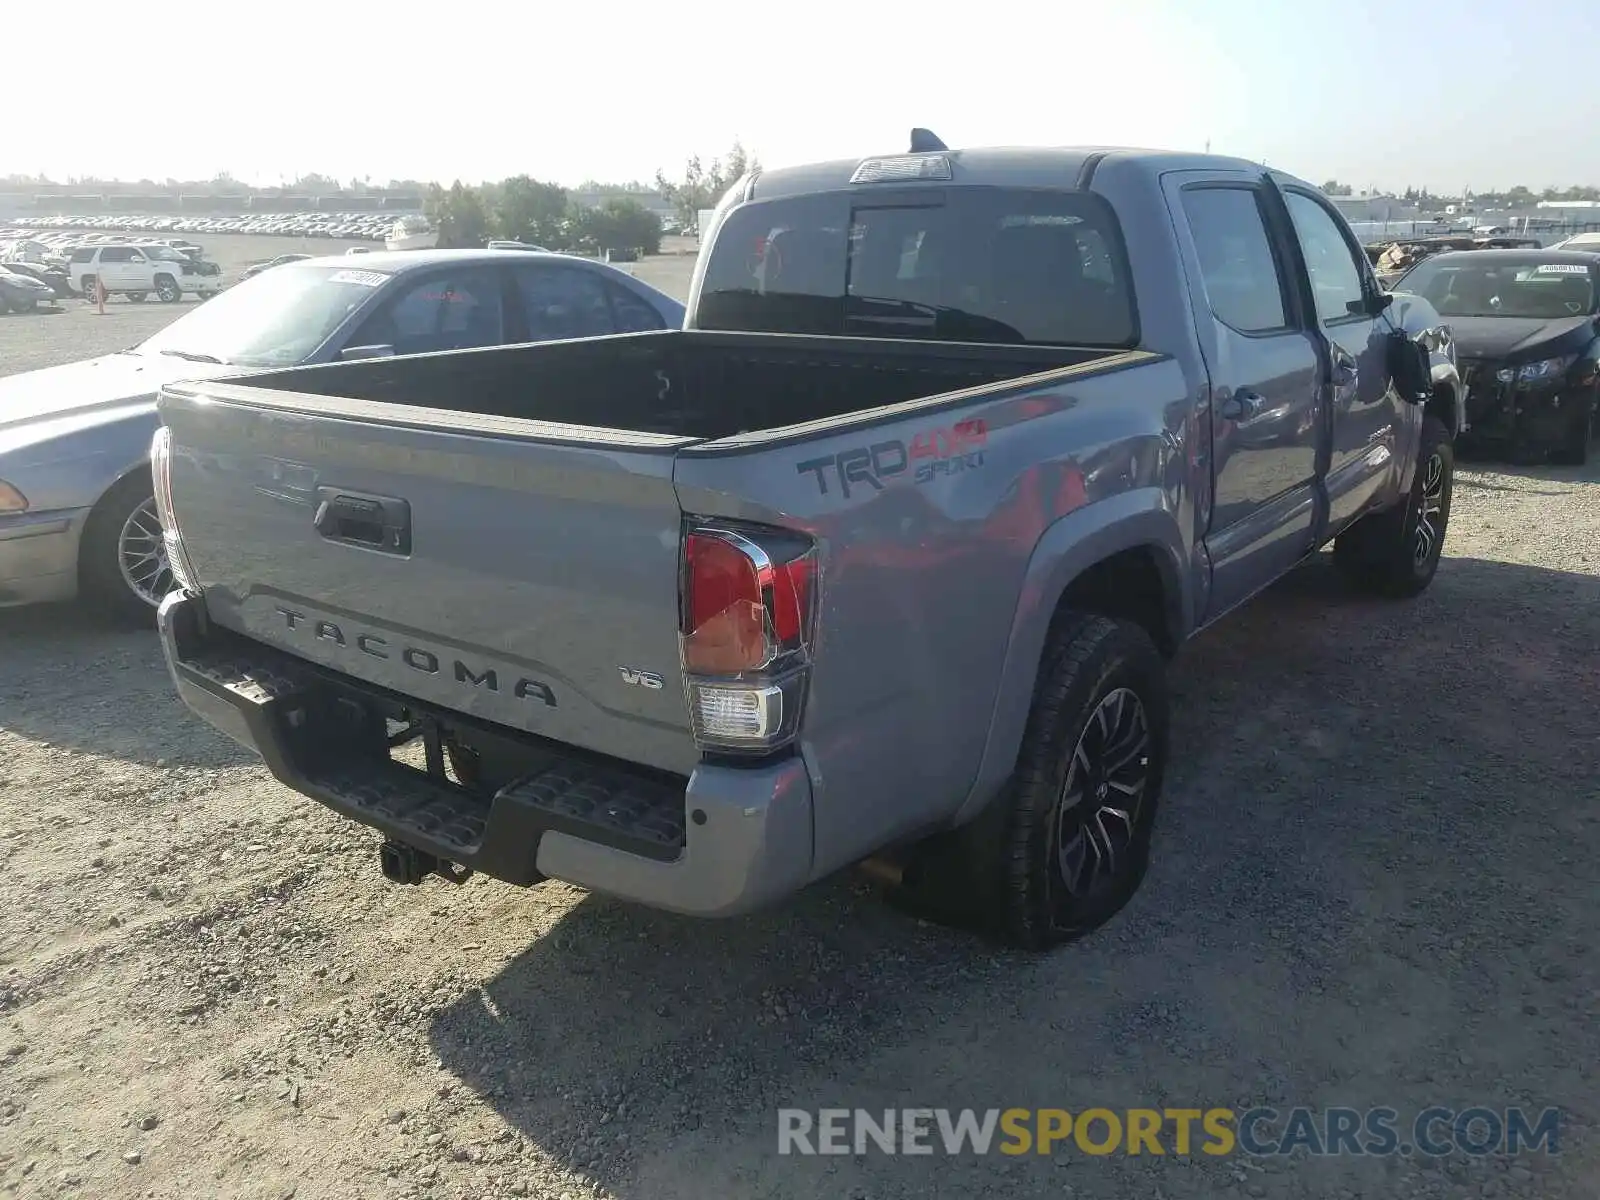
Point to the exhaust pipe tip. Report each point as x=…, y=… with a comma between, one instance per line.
x=883, y=870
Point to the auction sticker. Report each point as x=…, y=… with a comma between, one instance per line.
x=1561, y=269
x=363, y=278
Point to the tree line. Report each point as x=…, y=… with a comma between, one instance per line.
x=1517, y=197
x=525, y=209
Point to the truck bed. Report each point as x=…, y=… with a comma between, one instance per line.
x=677, y=384
x=498, y=532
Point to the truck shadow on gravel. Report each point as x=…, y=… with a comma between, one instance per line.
x=1348, y=905
x=71, y=680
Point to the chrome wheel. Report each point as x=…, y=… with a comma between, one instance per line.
x=1429, y=516
x=142, y=555
x=1102, y=795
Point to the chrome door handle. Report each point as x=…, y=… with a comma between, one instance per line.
x=1243, y=406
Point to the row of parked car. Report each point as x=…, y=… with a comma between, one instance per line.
x=370, y=226
x=40, y=268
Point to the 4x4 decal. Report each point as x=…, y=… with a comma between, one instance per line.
x=933, y=454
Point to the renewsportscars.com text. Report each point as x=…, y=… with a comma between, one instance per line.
x=1431, y=1132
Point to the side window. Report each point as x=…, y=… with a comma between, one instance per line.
x=633, y=314
x=563, y=302
x=1335, y=277
x=1237, y=265
x=82, y=254
x=460, y=310
x=116, y=254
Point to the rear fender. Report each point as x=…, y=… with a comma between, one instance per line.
x=1138, y=519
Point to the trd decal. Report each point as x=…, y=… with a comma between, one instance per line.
x=935, y=454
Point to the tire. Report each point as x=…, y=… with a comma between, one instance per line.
x=1065, y=846
x=138, y=297
x=1395, y=553
x=102, y=584
x=1573, y=451
x=24, y=306
x=86, y=288
x=4, y=307
x=167, y=289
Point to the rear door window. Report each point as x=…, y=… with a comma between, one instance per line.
x=633, y=315
x=460, y=310
x=1237, y=265
x=972, y=264
x=563, y=302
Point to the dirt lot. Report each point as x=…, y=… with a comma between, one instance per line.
x=1375, y=885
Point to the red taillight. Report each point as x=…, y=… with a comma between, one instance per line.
x=726, y=630
x=719, y=576
x=747, y=618
x=791, y=594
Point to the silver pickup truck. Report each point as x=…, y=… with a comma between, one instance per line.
x=879, y=559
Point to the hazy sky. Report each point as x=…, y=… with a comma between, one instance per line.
x=1384, y=92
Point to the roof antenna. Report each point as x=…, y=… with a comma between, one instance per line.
x=923, y=141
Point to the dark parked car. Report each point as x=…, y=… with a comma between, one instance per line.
x=1393, y=259
x=55, y=278
x=880, y=556
x=1527, y=332
x=22, y=293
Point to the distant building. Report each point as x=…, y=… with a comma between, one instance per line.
x=1582, y=209
x=1375, y=208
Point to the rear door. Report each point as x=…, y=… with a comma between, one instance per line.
x=1264, y=364
x=115, y=269
x=1366, y=410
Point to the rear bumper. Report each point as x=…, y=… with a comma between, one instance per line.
x=725, y=841
x=39, y=557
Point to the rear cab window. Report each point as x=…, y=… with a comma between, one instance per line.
x=966, y=264
x=1240, y=271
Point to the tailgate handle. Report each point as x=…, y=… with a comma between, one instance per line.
x=380, y=523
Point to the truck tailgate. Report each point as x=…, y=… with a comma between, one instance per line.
x=525, y=574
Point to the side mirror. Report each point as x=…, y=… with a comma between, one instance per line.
x=1371, y=304
x=351, y=353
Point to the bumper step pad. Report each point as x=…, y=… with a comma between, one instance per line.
x=286, y=704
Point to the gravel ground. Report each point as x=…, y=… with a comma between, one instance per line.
x=1374, y=886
